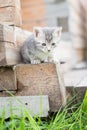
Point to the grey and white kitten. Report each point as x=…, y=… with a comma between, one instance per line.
x=39, y=46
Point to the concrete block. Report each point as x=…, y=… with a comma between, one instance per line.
x=7, y=79
x=40, y=79
x=34, y=105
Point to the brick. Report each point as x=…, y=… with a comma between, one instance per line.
x=41, y=79
x=76, y=83
x=7, y=79
x=75, y=92
x=81, y=54
x=4, y=93
x=10, y=3
x=35, y=105
x=21, y=35
x=9, y=54
x=11, y=39
x=10, y=16
x=7, y=34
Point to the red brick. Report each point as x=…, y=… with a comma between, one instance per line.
x=32, y=11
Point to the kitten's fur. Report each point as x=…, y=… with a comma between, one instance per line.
x=40, y=45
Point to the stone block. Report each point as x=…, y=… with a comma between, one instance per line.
x=34, y=105
x=41, y=79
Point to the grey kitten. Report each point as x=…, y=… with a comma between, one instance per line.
x=40, y=45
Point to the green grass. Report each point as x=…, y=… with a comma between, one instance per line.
x=70, y=118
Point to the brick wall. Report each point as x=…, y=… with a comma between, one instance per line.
x=33, y=12
x=45, y=13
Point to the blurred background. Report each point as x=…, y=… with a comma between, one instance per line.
x=45, y=13
x=71, y=15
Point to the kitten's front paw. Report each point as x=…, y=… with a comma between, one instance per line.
x=51, y=61
x=35, y=62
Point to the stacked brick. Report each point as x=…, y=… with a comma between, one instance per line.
x=23, y=80
x=10, y=12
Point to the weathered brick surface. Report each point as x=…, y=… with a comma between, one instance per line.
x=10, y=12
x=6, y=34
x=7, y=93
x=75, y=93
x=11, y=39
x=7, y=79
x=39, y=80
x=9, y=54
x=10, y=3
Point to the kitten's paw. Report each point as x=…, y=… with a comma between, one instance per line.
x=35, y=62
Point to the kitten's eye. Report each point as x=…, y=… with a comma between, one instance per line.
x=53, y=44
x=43, y=44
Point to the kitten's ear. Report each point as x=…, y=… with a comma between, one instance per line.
x=37, y=31
x=58, y=31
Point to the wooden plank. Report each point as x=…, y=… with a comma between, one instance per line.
x=10, y=16
x=40, y=79
x=10, y=3
x=34, y=105
x=7, y=79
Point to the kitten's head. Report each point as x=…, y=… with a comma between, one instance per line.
x=47, y=38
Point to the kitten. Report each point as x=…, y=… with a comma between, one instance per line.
x=39, y=46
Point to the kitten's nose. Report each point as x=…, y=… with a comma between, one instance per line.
x=48, y=50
